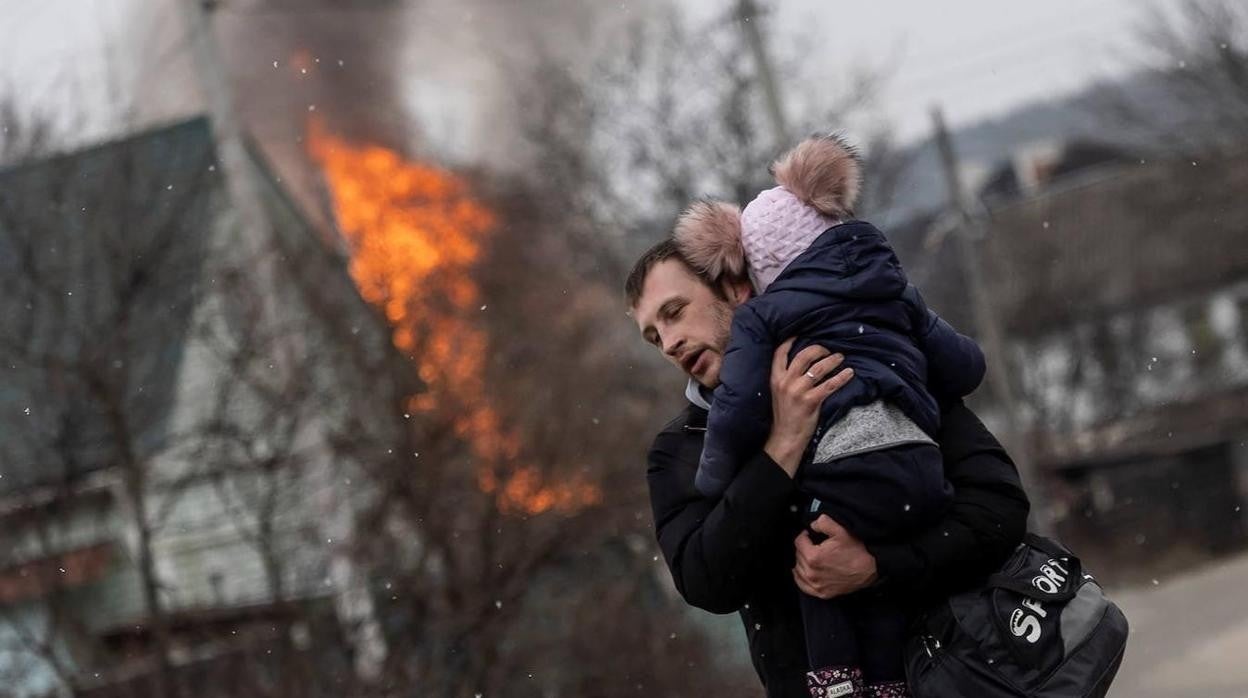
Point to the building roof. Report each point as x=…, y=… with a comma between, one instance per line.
x=1096, y=243
x=1125, y=237
x=101, y=251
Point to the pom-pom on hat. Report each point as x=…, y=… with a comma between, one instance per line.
x=708, y=234
x=823, y=172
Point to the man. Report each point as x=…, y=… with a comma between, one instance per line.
x=747, y=552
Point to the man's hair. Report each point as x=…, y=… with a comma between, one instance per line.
x=664, y=250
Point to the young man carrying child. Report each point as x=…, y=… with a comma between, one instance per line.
x=728, y=549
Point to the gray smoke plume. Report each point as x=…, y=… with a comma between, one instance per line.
x=427, y=76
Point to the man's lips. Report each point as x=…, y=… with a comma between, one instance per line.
x=694, y=364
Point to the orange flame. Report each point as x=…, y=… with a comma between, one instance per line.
x=415, y=234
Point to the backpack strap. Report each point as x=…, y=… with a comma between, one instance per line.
x=1074, y=570
x=1046, y=545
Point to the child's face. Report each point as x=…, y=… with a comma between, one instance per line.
x=686, y=320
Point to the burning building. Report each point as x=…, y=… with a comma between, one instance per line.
x=327, y=465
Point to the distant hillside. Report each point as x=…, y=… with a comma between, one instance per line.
x=983, y=145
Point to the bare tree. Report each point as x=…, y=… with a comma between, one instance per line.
x=672, y=112
x=508, y=473
x=22, y=135
x=1194, y=93
x=100, y=276
x=150, y=391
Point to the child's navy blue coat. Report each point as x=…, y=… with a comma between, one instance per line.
x=848, y=293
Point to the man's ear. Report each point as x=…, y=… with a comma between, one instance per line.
x=738, y=291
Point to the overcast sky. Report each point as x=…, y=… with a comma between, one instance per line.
x=977, y=58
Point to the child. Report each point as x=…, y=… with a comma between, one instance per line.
x=873, y=466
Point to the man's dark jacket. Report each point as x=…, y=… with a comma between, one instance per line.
x=735, y=553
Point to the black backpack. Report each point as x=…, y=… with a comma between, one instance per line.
x=1040, y=627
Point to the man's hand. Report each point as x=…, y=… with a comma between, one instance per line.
x=797, y=391
x=837, y=566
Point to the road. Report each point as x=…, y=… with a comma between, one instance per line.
x=1189, y=635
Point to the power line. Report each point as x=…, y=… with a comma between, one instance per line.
x=1001, y=56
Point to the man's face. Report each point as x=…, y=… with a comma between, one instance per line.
x=685, y=319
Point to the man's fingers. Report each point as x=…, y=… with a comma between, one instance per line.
x=780, y=360
x=836, y=382
x=803, y=568
x=823, y=368
x=803, y=547
x=809, y=589
x=826, y=364
x=802, y=585
x=807, y=358
x=828, y=526
x=802, y=542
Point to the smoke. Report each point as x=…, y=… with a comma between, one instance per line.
x=434, y=79
x=334, y=60
x=428, y=77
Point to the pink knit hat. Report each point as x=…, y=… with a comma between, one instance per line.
x=776, y=227
x=819, y=183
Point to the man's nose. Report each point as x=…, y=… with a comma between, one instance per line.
x=673, y=348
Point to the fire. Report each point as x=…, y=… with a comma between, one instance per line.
x=415, y=233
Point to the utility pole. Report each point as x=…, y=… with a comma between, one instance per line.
x=970, y=229
x=747, y=13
